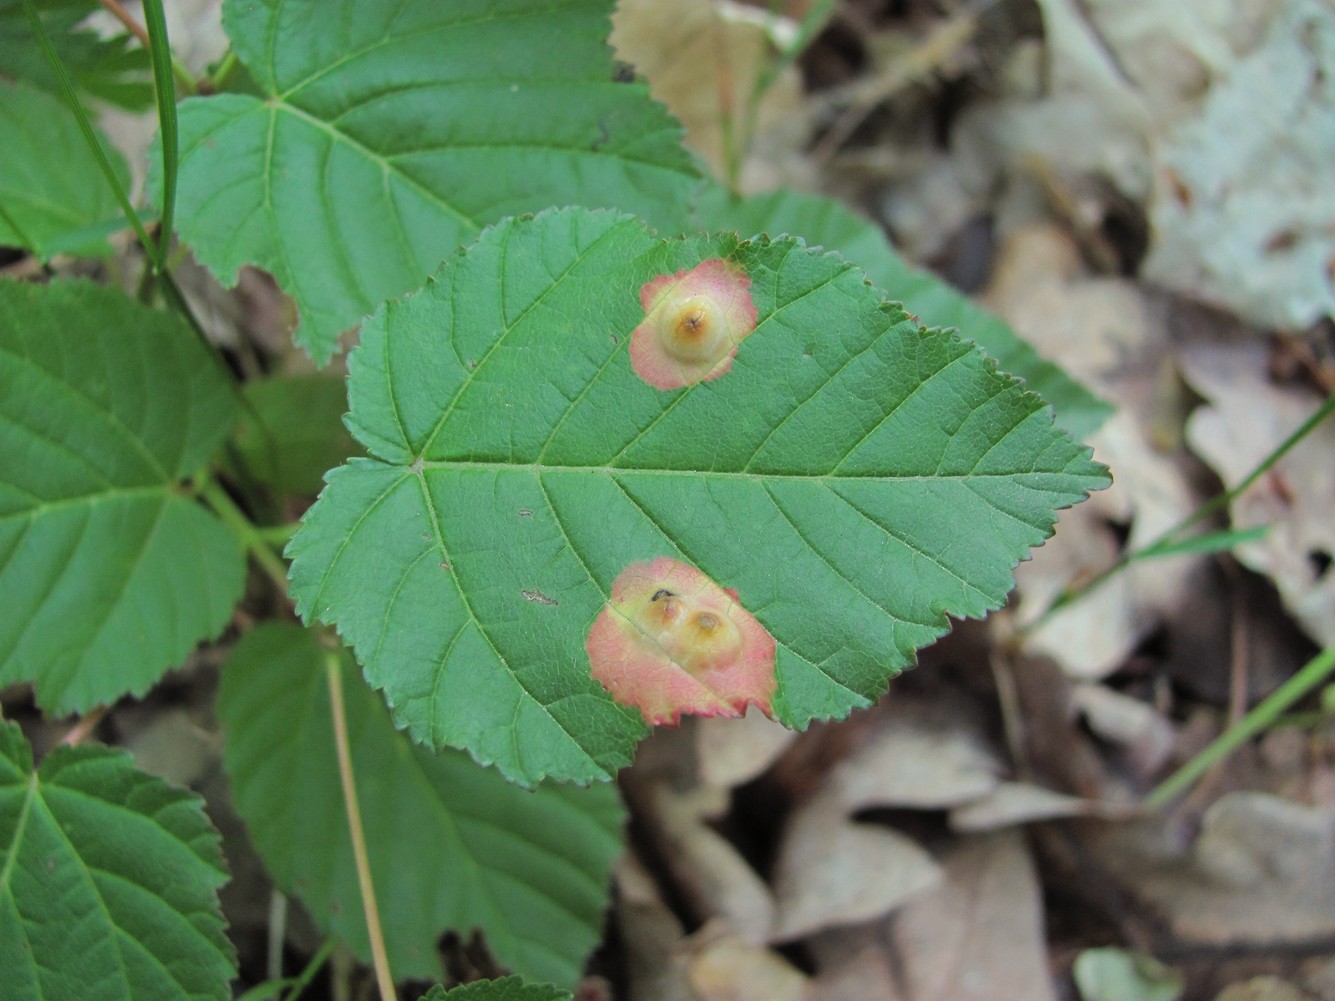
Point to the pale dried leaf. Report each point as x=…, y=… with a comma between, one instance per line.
x=723, y=967
x=1106, y=333
x=1246, y=418
x=709, y=870
x=701, y=60
x=651, y=937
x=1012, y=803
x=734, y=751
x=1244, y=217
x=1262, y=870
x=834, y=871
x=980, y=936
x=915, y=761
x=1138, y=728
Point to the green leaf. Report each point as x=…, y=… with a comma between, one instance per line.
x=53, y=195
x=452, y=845
x=113, y=69
x=1117, y=975
x=390, y=134
x=855, y=477
x=505, y=989
x=293, y=431
x=825, y=222
x=108, y=881
x=110, y=574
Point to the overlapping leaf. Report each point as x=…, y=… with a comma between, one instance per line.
x=825, y=222
x=110, y=574
x=108, y=67
x=53, y=195
x=388, y=134
x=108, y=881
x=855, y=477
x=292, y=431
x=452, y=845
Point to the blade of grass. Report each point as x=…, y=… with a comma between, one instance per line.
x=1312, y=674
x=1168, y=538
x=86, y=127
x=1210, y=542
x=164, y=87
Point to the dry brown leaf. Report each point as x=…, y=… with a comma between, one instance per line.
x=723, y=967
x=978, y=937
x=734, y=751
x=701, y=58
x=1262, y=870
x=1108, y=335
x=1012, y=803
x=834, y=871
x=1138, y=728
x=1246, y=418
x=710, y=872
x=651, y=937
x=981, y=935
x=914, y=761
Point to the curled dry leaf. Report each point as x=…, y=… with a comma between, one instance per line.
x=693, y=322
x=671, y=641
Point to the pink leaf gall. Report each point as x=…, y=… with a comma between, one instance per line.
x=693, y=322
x=671, y=641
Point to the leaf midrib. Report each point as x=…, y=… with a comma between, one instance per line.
x=614, y=471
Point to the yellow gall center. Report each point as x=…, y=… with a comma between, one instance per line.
x=695, y=638
x=694, y=330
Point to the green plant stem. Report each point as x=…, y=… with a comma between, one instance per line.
x=1168, y=537
x=277, y=535
x=304, y=978
x=86, y=127
x=1312, y=674
x=159, y=48
x=218, y=79
x=246, y=532
x=379, y=958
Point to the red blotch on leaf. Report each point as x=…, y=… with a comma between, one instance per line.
x=693, y=322
x=671, y=641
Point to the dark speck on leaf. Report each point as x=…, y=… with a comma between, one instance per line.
x=539, y=598
x=526, y=512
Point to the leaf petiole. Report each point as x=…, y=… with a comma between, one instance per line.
x=379, y=957
x=245, y=531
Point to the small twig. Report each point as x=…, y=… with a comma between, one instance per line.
x=379, y=957
x=122, y=15
x=82, y=729
x=942, y=41
x=277, y=933
x=130, y=24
